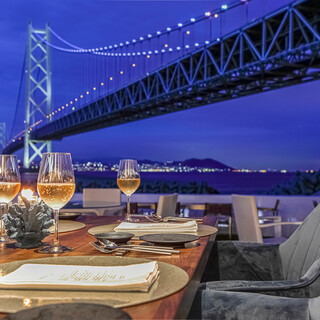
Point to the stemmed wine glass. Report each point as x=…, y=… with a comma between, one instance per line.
x=128, y=182
x=56, y=187
x=9, y=186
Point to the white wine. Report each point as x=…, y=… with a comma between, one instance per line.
x=8, y=190
x=128, y=186
x=56, y=195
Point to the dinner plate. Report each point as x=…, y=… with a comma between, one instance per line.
x=69, y=215
x=169, y=239
x=116, y=237
x=69, y=311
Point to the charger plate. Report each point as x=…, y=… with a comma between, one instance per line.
x=203, y=230
x=171, y=280
x=68, y=225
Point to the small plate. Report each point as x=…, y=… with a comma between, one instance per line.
x=69, y=215
x=64, y=311
x=116, y=237
x=169, y=239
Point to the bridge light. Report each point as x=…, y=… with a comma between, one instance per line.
x=134, y=40
x=138, y=53
x=87, y=92
x=216, y=15
x=224, y=7
x=133, y=64
x=144, y=53
x=170, y=49
x=180, y=24
x=73, y=108
x=94, y=88
x=121, y=44
x=192, y=19
x=168, y=29
x=158, y=32
x=178, y=48
x=188, y=32
x=163, y=50
x=102, y=83
x=141, y=38
x=81, y=96
x=196, y=44
x=208, y=14
x=218, y=39
x=127, y=42
x=156, y=51
x=111, y=78
x=187, y=46
x=149, y=35
x=207, y=42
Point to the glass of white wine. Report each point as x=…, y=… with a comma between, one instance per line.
x=56, y=187
x=9, y=186
x=128, y=182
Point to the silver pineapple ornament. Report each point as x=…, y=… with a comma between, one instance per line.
x=28, y=224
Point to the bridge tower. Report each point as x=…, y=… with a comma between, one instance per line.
x=38, y=90
x=2, y=136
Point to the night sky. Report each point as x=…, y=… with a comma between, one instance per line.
x=277, y=130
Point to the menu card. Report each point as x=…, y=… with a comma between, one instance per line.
x=135, y=277
x=139, y=229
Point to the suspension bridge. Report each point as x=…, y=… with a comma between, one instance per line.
x=191, y=64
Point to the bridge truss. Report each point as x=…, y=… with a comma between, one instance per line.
x=278, y=50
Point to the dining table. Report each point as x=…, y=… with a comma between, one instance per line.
x=192, y=260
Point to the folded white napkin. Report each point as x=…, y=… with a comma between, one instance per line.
x=135, y=277
x=139, y=229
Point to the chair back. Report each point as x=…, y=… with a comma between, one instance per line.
x=216, y=209
x=246, y=216
x=167, y=205
x=97, y=197
x=303, y=247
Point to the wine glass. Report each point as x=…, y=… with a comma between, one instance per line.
x=56, y=187
x=9, y=186
x=128, y=182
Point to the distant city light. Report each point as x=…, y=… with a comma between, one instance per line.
x=67, y=105
x=187, y=46
x=149, y=35
x=133, y=64
x=81, y=96
x=192, y=19
x=216, y=15
x=94, y=88
x=121, y=72
x=148, y=56
x=158, y=32
x=196, y=44
x=218, y=39
x=207, y=42
x=180, y=24
x=111, y=78
x=73, y=108
x=74, y=100
x=141, y=38
x=166, y=45
x=188, y=32
x=168, y=29
x=102, y=83
x=224, y=7
x=87, y=92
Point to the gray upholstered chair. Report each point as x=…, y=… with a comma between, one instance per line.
x=289, y=261
x=251, y=306
x=291, y=269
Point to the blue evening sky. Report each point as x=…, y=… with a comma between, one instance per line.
x=278, y=129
